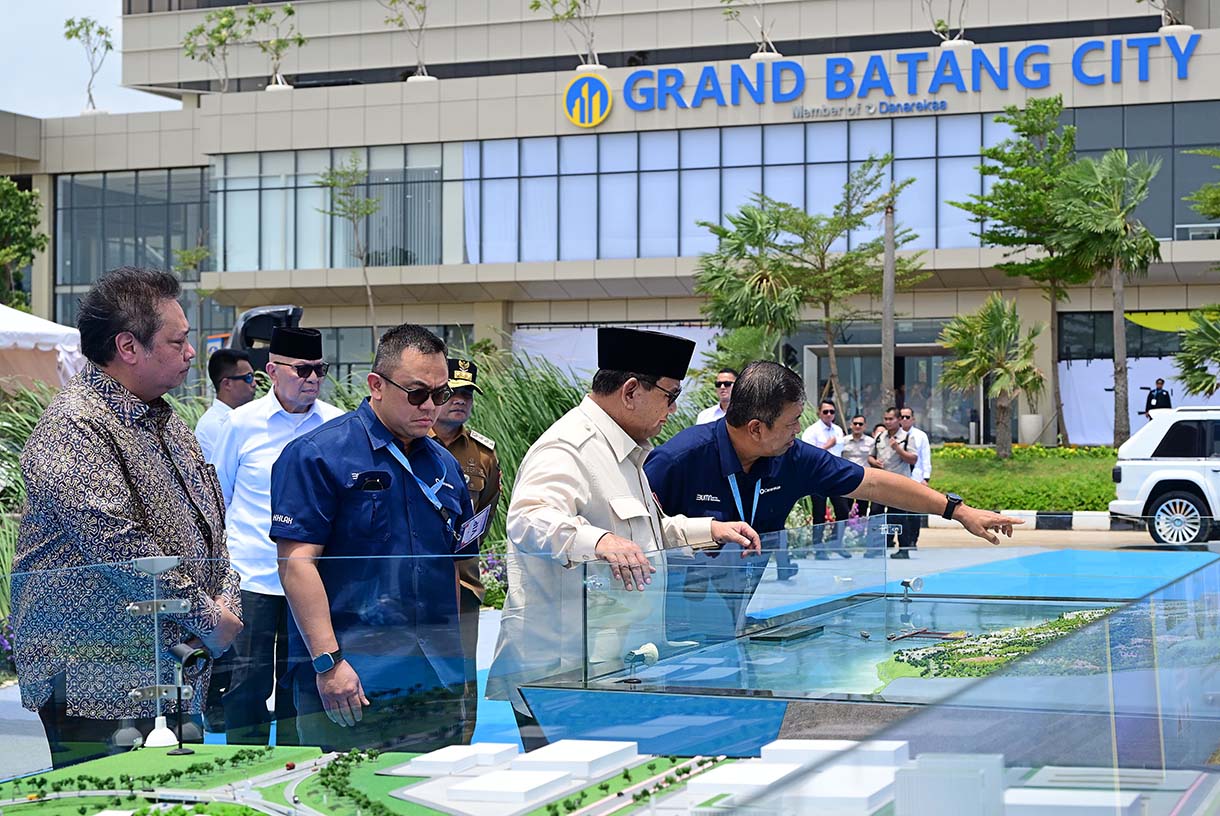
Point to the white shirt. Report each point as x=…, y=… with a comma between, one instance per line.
x=583, y=478
x=819, y=433
x=921, y=471
x=709, y=415
x=207, y=429
x=250, y=442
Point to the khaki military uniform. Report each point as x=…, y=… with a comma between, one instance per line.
x=476, y=456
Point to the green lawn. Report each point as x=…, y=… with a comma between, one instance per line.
x=94, y=804
x=364, y=777
x=616, y=783
x=153, y=761
x=1034, y=479
x=890, y=670
x=275, y=793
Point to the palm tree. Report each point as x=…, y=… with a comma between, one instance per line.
x=987, y=347
x=1095, y=207
x=1198, y=362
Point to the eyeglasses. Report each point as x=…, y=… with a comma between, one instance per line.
x=906, y=416
x=858, y=423
x=672, y=396
x=828, y=411
x=724, y=384
x=303, y=370
x=247, y=378
x=418, y=396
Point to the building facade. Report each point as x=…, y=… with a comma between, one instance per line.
x=519, y=194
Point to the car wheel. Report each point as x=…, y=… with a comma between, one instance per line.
x=1179, y=518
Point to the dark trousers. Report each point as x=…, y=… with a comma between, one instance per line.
x=78, y=739
x=468, y=619
x=259, y=663
x=531, y=732
x=908, y=536
x=841, y=507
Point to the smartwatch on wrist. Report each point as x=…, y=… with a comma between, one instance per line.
x=954, y=502
x=327, y=661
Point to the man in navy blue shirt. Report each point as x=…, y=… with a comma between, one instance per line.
x=368, y=514
x=749, y=466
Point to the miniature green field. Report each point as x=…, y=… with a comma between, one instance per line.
x=890, y=670
x=71, y=806
x=616, y=782
x=153, y=761
x=364, y=778
x=275, y=793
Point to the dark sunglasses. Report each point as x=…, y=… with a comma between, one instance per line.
x=724, y=384
x=829, y=411
x=248, y=379
x=906, y=416
x=672, y=396
x=303, y=370
x=857, y=423
x=418, y=396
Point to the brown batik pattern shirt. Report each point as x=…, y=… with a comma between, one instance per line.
x=111, y=479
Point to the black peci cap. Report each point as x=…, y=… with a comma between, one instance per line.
x=463, y=374
x=299, y=344
x=643, y=352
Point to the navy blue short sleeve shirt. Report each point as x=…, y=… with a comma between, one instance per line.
x=690, y=476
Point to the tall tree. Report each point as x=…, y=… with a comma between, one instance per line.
x=1016, y=213
x=346, y=184
x=1097, y=229
x=1206, y=200
x=97, y=41
x=988, y=348
x=210, y=41
x=774, y=259
x=1198, y=360
x=20, y=239
x=273, y=35
x=412, y=17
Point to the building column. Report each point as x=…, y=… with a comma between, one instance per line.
x=1034, y=308
x=42, y=271
x=491, y=323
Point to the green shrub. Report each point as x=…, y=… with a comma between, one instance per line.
x=1035, y=478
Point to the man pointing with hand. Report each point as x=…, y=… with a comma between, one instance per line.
x=581, y=495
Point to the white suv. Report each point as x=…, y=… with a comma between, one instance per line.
x=1168, y=473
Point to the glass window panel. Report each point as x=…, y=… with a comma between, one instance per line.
x=700, y=201
x=539, y=219
x=700, y=148
x=120, y=231
x=826, y=142
x=783, y=144
x=1148, y=125
x=658, y=215
x=578, y=154
x=1189, y=173
x=382, y=157
x=577, y=218
x=64, y=233
x=67, y=305
x=241, y=231
x=186, y=231
x=87, y=190
x=737, y=187
x=153, y=186
x=995, y=132
x=618, y=210
x=659, y=150
x=1075, y=335
x=1103, y=334
x=356, y=346
x=872, y=229
x=241, y=171
x=959, y=135
x=422, y=214
x=741, y=146
x=785, y=183
x=1099, y=128
x=310, y=165
x=277, y=169
x=916, y=206
x=87, y=256
x=538, y=156
x=420, y=156
x=152, y=242
x=312, y=232
x=186, y=185
x=957, y=180
x=276, y=233
x=120, y=189
x=499, y=220
x=461, y=160
x=869, y=137
x=1157, y=209
x=499, y=158
x=915, y=138
x=63, y=192
x=824, y=187
x=616, y=152
x=1196, y=123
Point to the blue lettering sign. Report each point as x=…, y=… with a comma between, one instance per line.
x=669, y=86
x=979, y=64
x=875, y=76
x=1143, y=45
x=708, y=88
x=911, y=60
x=640, y=98
x=739, y=80
x=947, y=70
x=1181, y=56
x=1078, y=63
x=1042, y=70
x=839, y=83
x=778, y=69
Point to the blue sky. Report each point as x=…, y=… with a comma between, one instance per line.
x=44, y=75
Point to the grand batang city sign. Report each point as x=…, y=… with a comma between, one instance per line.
x=866, y=85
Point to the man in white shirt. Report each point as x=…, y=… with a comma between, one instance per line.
x=724, y=390
x=581, y=495
x=916, y=452
x=233, y=380
x=828, y=436
x=251, y=441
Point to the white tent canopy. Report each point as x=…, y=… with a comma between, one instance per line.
x=35, y=349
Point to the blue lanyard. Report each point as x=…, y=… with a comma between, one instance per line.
x=429, y=492
x=741, y=513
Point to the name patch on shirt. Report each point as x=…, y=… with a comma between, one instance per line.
x=707, y=497
x=771, y=489
x=280, y=518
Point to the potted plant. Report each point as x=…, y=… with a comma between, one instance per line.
x=411, y=16
x=578, y=18
x=760, y=33
x=96, y=39
x=941, y=26
x=1171, y=21
x=274, y=36
x=210, y=41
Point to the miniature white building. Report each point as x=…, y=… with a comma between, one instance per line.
x=511, y=787
x=844, y=790
x=1054, y=802
x=583, y=759
x=452, y=759
x=892, y=753
x=951, y=785
x=747, y=776
x=494, y=753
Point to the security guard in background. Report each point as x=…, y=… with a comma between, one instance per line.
x=476, y=455
x=1157, y=398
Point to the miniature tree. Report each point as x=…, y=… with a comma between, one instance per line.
x=347, y=202
x=942, y=26
x=411, y=16
x=210, y=41
x=760, y=32
x=20, y=239
x=274, y=36
x=96, y=38
x=1168, y=16
x=578, y=19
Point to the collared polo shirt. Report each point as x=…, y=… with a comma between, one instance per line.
x=690, y=475
x=250, y=441
x=708, y=415
x=387, y=561
x=209, y=426
x=819, y=433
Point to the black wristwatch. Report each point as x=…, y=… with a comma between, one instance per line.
x=327, y=661
x=955, y=501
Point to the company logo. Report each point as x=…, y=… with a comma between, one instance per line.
x=587, y=100
x=707, y=497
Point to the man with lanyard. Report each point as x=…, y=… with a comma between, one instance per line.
x=368, y=512
x=581, y=495
x=1157, y=398
x=916, y=451
x=251, y=439
x=858, y=447
x=750, y=465
x=476, y=456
